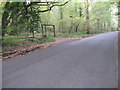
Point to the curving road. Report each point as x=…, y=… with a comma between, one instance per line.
x=88, y=63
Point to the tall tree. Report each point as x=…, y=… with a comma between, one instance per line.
x=119, y=15
x=5, y=17
x=15, y=11
x=87, y=16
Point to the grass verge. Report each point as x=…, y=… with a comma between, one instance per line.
x=67, y=35
x=11, y=43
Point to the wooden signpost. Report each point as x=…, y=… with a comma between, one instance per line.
x=44, y=30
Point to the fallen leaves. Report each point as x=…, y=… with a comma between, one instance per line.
x=22, y=50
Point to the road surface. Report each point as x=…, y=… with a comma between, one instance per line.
x=88, y=63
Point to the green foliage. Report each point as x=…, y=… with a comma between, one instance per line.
x=12, y=42
x=37, y=41
x=11, y=39
x=70, y=18
x=100, y=16
x=18, y=13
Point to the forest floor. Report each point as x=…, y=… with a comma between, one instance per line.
x=18, y=45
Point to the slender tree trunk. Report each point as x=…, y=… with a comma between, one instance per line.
x=98, y=24
x=109, y=26
x=61, y=18
x=80, y=12
x=87, y=18
x=59, y=29
x=70, y=29
x=61, y=13
x=76, y=28
x=104, y=26
x=101, y=25
x=119, y=15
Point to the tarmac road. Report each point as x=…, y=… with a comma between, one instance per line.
x=88, y=63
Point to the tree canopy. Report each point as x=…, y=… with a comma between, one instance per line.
x=68, y=16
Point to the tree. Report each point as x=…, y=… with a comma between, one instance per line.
x=15, y=12
x=101, y=16
x=5, y=18
x=119, y=15
x=87, y=17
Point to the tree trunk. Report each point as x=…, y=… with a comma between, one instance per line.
x=87, y=18
x=98, y=24
x=61, y=17
x=76, y=28
x=104, y=26
x=119, y=15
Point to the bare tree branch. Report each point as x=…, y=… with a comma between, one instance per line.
x=50, y=8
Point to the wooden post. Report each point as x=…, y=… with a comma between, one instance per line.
x=33, y=33
x=45, y=30
x=42, y=30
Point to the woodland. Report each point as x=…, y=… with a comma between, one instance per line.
x=39, y=21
